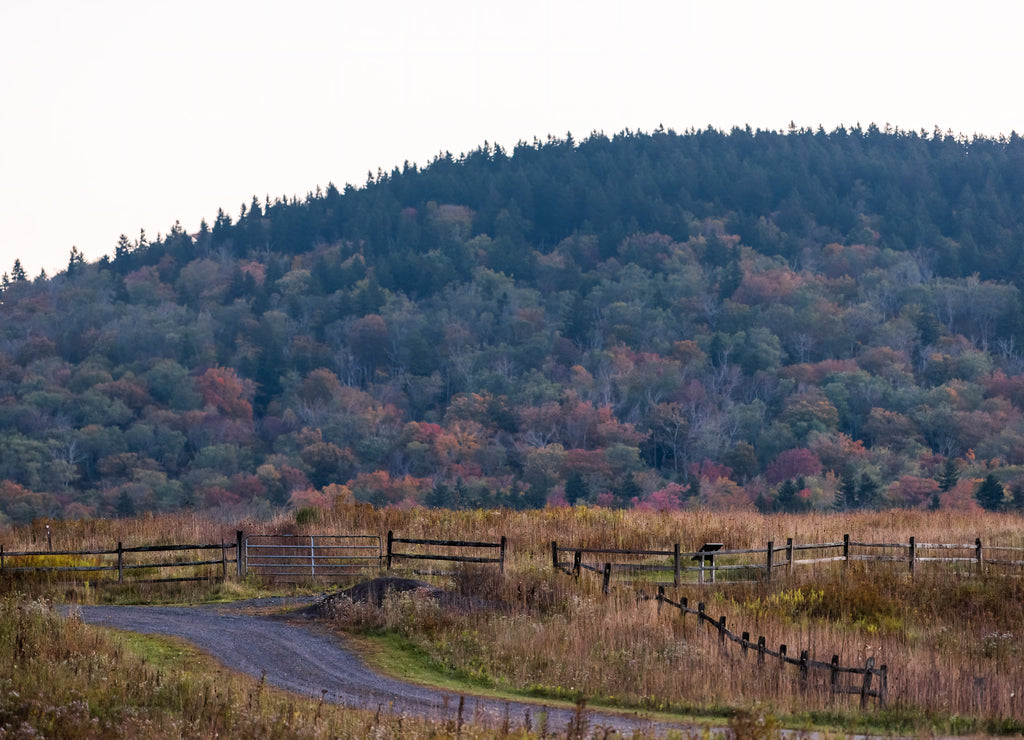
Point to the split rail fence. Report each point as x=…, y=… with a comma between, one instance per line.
x=127, y=562
x=443, y=551
x=836, y=684
x=711, y=564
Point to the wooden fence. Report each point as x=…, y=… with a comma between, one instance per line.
x=835, y=685
x=645, y=566
x=125, y=561
x=446, y=555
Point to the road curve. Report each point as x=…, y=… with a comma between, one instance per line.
x=298, y=656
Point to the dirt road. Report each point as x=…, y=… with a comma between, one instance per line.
x=298, y=655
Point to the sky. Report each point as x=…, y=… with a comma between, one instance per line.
x=121, y=115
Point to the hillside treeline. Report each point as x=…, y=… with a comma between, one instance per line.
x=777, y=320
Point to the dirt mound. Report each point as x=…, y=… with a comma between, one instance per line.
x=378, y=588
x=374, y=592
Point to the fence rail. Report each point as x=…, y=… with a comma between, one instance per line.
x=762, y=563
x=286, y=557
x=803, y=663
x=117, y=560
x=446, y=556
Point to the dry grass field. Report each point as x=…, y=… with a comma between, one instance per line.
x=949, y=634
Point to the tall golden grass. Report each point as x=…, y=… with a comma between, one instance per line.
x=949, y=636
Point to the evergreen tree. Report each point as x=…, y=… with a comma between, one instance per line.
x=846, y=494
x=869, y=493
x=18, y=273
x=628, y=490
x=1017, y=497
x=694, y=490
x=576, y=488
x=535, y=497
x=125, y=505
x=439, y=497
x=123, y=248
x=75, y=261
x=949, y=476
x=990, y=493
x=787, y=495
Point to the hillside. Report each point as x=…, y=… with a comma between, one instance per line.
x=784, y=321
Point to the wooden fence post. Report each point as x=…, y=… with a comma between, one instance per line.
x=675, y=565
x=768, y=560
x=745, y=642
x=721, y=631
x=120, y=563
x=554, y=554
x=978, y=555
x=760, y=650
x=804, y=657
x=913, y=554
x=391, y=538
x=782, y=654
x=577, y=563
x=789, y=556
x=239, y=560
x=846, y=550
x=224, y=560
x=866, y=686
x=833, y=679
x=606, y=584
x=661, y=597
x=501, y=557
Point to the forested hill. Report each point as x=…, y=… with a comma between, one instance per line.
x=790, y=320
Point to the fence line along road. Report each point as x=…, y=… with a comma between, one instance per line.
x=428, y=550
x=762, y=563
x=334, y=556
x=120, y=560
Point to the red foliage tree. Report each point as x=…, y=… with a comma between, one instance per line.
x=229, y=394
x=792, y=464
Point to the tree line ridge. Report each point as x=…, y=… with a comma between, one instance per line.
x=744, y=319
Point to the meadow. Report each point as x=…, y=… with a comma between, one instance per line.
x=949, y=635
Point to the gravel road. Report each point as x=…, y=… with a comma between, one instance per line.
x=297, y=654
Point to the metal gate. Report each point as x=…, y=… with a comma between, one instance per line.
x=293, y=557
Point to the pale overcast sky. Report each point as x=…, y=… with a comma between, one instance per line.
x=118, y=115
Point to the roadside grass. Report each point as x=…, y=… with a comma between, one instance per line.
x=61, y=678
x=949, y=635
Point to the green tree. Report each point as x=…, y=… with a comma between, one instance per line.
x=869, y=492
x=628, y=490
x=787, y=495
x=949, y=476
x=125, y=505
x=75, y=261
x=123, y=248
x=576, y=488
x=990, y=494
x=18, y=273
x=1017, y=496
